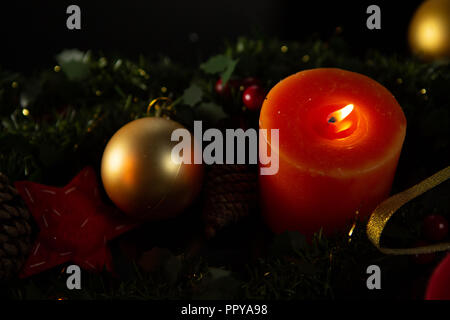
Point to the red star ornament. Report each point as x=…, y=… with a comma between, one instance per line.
x=74, y=224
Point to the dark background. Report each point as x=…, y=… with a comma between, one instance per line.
x=33, y=32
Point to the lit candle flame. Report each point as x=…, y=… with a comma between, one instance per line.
x=340, y=114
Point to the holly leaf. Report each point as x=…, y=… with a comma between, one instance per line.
x=228, y=71
x=220, y=64
x=192, y=95
x=216, y=64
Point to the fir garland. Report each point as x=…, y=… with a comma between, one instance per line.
x=56, y=121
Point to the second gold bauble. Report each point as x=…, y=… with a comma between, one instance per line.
x=139, y=175
x=429, y=31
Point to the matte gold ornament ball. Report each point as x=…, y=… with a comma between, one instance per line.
x=139, y=175
x=429, y=31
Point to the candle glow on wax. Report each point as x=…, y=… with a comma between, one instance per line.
x=341, y=134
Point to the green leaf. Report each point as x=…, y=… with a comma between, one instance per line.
x=222, y=64
x=228, y=71
x=216, y=64
x=192, y=95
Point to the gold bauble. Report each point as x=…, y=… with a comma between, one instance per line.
x=139, y=175
x=429, y=31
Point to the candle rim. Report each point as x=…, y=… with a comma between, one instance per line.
x=383, y=106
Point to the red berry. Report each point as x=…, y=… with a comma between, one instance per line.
x=424, y=258
x=220, y=88
x=435, y=227
x=253, y=97
x=225, y=91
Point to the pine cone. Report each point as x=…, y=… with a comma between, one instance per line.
x=230, y=195
x=15, y=230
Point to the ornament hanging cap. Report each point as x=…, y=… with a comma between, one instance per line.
x=167, y=104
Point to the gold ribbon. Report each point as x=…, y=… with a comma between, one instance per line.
x=387, y=208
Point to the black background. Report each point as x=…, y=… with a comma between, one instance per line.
x=32, y=32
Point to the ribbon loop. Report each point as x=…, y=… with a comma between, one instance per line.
x=381, y=215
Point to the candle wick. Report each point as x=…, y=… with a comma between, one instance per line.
x=332, y=120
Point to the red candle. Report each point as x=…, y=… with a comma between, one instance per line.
x=439, y=284
x=340, y=137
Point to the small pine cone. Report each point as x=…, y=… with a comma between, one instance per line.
x=230, y=195
x=15, y=230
